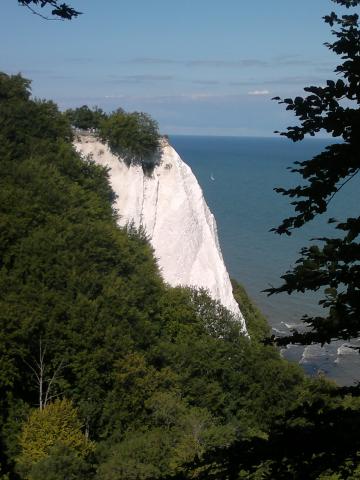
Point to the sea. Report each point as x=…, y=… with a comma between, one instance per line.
x=238, y=176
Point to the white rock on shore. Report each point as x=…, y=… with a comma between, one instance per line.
x=170, y=206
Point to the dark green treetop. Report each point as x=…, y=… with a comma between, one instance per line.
x=85, y=118
x=134, y=136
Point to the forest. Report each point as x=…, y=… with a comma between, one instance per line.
x=108, y=373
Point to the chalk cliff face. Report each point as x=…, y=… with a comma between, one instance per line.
x=171, y=207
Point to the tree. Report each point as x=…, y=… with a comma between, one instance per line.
x=62, y=462
x=44, y=382
x=134, y=136
x=161, y=377
x=332, y=265
x=85, y=118
x=61, y=11
x=86, y=302
x=56, y=425
x=315, y=440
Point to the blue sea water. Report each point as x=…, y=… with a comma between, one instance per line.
x=238, y=175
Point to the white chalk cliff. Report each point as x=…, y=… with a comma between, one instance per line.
x=170, y=206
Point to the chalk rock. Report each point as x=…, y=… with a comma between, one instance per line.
x=170, y=206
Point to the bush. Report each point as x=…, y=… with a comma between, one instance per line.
x=133, y=136
x=85, y=118
x=62, y=462
x=55, y=425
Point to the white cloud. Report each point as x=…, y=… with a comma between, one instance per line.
x=114, y=96
x=259, y=92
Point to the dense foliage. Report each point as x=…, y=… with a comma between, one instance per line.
x=56, y=424
x=334, y=264
x=134, y=137
x=85, y=118
x=138, y=380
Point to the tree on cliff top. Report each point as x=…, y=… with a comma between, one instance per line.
x=335, y=265
x=85, y=118
x=134, y=136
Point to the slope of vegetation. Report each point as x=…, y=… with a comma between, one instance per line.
x=108, y=373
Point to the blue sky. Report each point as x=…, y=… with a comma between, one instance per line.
x=197, y=66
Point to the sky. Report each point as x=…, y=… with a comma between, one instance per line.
x=199, y=67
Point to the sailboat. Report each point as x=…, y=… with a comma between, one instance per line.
x=212, y=177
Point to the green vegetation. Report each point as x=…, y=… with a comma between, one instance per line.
x=85, y=118
x=256, y=323
x=333, y=264
x=134, y=379
x=55, y=425
x=134, y=137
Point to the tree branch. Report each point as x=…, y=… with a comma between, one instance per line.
x=342, y=185
x=48, y=389
x=32, y=10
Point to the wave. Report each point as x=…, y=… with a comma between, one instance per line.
x=347, y=349
x=292, y=326
x=281, y=332
x=314, y=352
